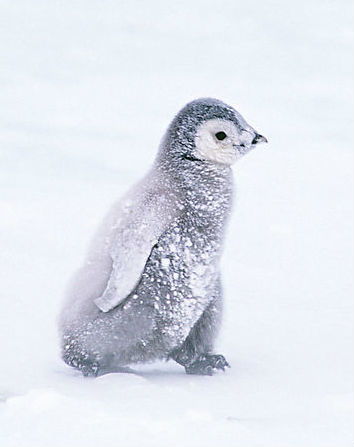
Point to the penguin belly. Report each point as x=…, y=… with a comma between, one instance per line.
x=173, y=292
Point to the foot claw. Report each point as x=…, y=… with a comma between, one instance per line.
x=207, y=364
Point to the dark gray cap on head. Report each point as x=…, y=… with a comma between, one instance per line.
x=180, y=134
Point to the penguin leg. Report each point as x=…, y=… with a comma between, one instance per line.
x=81, y=360
x=78, y=356
x=195, y=354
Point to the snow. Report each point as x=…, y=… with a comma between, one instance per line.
x=88, y=89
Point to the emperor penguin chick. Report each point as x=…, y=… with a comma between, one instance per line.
x=150, y=287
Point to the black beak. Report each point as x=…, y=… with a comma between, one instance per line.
x=259, y=139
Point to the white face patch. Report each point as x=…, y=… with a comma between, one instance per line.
x=221, y=141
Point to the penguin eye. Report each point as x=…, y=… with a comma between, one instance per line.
x=221, y=136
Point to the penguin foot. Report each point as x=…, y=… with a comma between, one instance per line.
x=207, y=364
x=90, y=370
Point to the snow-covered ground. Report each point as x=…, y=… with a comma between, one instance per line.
x=87, y=89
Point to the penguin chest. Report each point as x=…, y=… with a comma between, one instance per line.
x=189, y=259
x=182, y=268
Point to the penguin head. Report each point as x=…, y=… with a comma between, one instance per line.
x=209, y=130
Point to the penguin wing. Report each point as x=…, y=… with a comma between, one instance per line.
x=134, y=238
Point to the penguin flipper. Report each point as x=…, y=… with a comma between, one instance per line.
x=125, y=275
x=134, y=240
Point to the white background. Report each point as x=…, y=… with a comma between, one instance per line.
x=87, y=89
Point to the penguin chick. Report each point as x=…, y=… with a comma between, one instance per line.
x=150, y=287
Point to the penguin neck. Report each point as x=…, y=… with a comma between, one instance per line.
x=200, y=180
